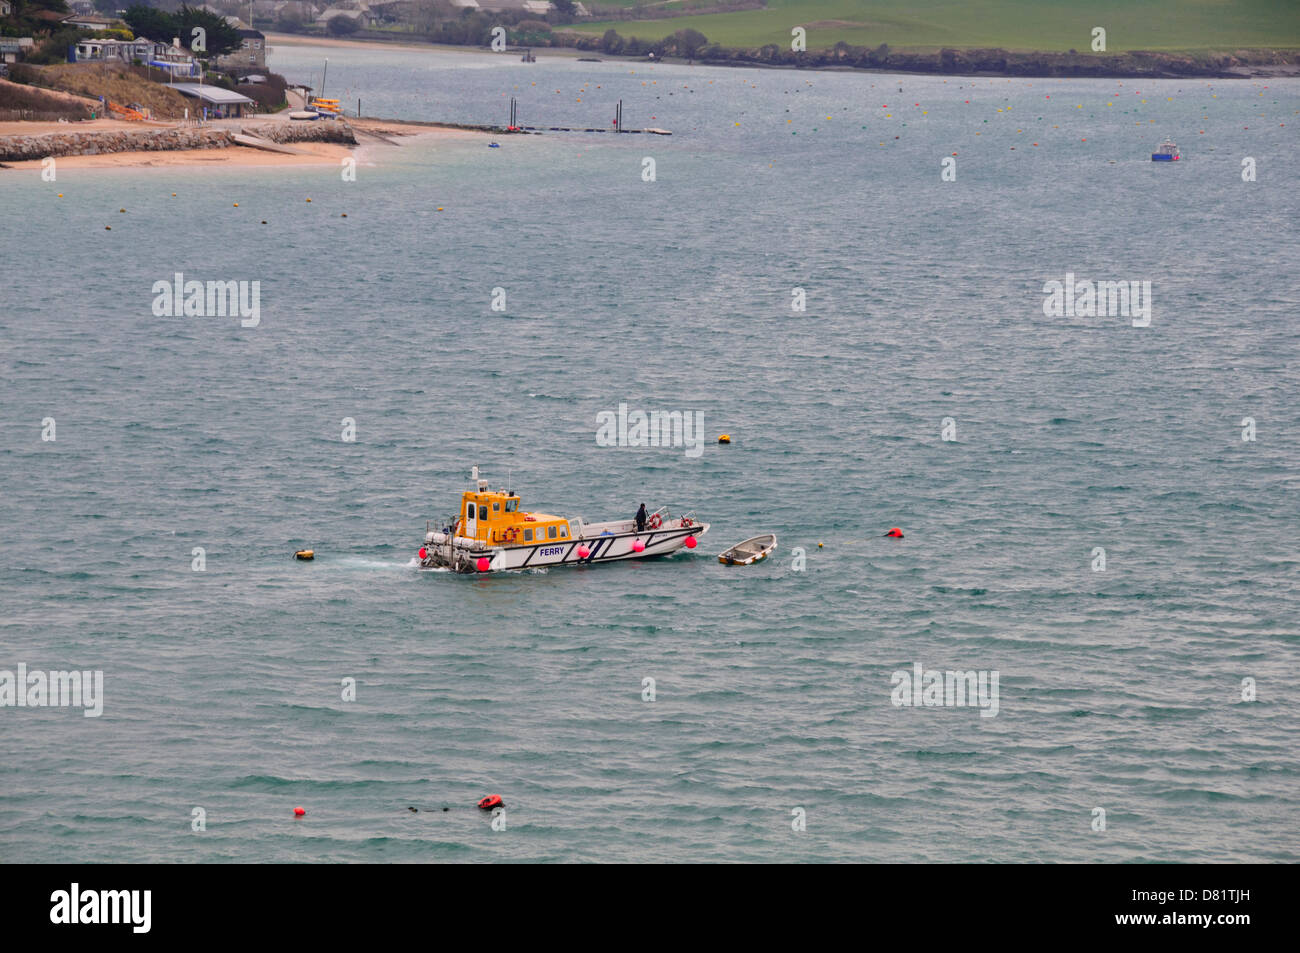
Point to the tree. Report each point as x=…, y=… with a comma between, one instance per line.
x=611, y=42
x=690, y=42
x=342, y=26
x=152, y=23
x=54, y=48
x=219, y=36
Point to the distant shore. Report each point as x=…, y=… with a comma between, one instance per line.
x=1235, y=64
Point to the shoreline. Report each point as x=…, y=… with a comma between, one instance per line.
x=948, y=62
x=110, y=140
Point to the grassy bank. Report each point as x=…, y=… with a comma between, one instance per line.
x=116, y=82
x=1039, y=25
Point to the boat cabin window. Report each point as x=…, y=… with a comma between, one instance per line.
x=512, y=506
x=564, y=533
x=528, y=535
x=496, y=507
x=550, y=532
x=482, y=512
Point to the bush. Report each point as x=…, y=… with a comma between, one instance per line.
x=689, y=42
x=267, y=97
x=342, y=26
x=54, y=48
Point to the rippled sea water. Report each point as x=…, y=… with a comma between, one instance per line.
x=1119, y=689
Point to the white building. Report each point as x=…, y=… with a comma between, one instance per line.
x=14, y=48
x=175, y=60
x=124, y=51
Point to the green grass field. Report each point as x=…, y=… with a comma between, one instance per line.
x=1046, y=25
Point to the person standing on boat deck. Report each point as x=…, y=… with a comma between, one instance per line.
x=641, y=518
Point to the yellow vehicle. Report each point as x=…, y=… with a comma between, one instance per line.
x=491, y=533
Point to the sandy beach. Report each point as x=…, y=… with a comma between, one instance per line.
x=313, y=153
x=309, y=153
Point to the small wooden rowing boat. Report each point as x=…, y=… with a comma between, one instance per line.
x=750, y=551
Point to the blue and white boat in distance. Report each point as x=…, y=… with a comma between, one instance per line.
x=1168, y=152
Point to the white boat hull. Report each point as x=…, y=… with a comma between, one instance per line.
x=463, y=555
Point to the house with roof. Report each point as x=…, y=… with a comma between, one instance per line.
x=6, y=8
x=535, y=7
x=175, y=60
x=52, y=19
x=93, y=21
x=251, y=53
x=14, y=48
x=360, y=17
x=122, y=51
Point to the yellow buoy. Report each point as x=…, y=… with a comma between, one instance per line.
x=725, y=438
x=305, y=554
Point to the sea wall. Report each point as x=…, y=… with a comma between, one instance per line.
x=99, y=142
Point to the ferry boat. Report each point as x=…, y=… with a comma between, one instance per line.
x=1168, y=152
x=491, y=533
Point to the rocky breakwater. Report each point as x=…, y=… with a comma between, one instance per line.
x=286, y=132
x=15, y=148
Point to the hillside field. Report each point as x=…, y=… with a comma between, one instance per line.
x=1030, y=25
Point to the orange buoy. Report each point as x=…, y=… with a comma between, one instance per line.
x=489, y=802
x=895, y=533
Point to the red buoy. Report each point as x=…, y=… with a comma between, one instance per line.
x=583, y=552
x=895, y=533
x=299, y=811
x=423, y=552
x=690, y=542
x=638, y=546
x=489, y=802
x=483, y=563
